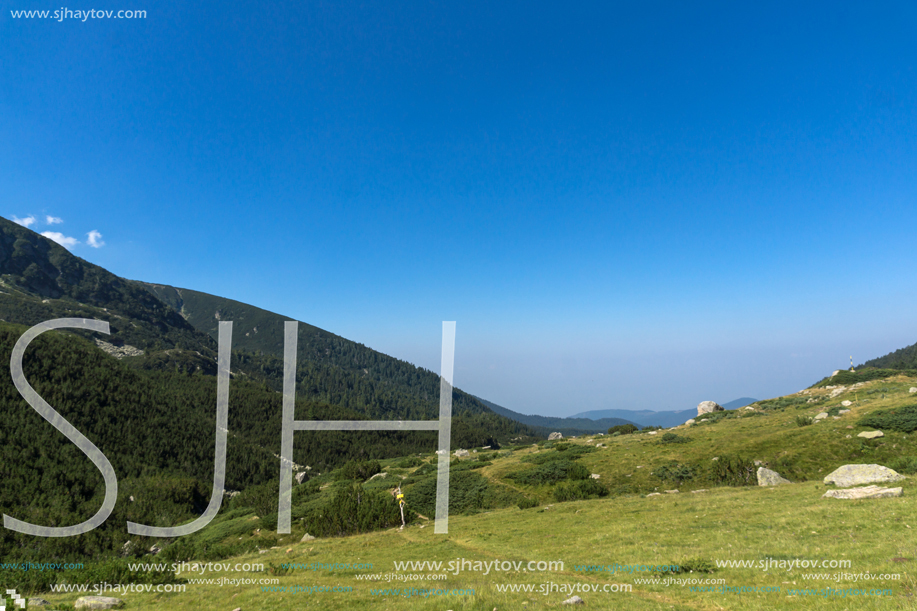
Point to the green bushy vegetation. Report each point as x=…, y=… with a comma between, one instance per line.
x=732, y=471
x=359, y=470
x=550, y=472
x=580, y=490
x=673, y=438
x=903, y=419
x=675, y=472
x=623, y=429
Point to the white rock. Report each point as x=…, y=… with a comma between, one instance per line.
x=821, y=416
x=846, y=403
x=871, y=434
x=595, y=476
x=857, y=475
x=98, y=602
x=573, y=600
x=705, y=407
x=868, y=492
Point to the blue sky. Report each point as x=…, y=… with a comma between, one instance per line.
x=622, y=205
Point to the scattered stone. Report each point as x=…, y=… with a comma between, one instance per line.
x=595, y=476
x=912, y=389
x=690, y=422
x=98, y=602
x=869, y=492
x=699, y=490
x=119, y=352
x=715, y=458
x=857, y=475
x=844, y=411
x=837, y=391
x=155, y=549
x=654, y=494
x=573, y=600
x=821, y=416
x=705, y=407
x=600, y=445
x=461, y=453
x=812, y=400
x=306, y=537
x=836, y=417
x=849, y=437
x=758, y=463
x=846, y=403
x=652, y=432
x=835, y=372
x=128, y=548
x=749, y=407
x=766, y=477
x=382, y=475
x=871, y=434
x=38, y=602
x=485, y=448
x=301, y=476
x=672, y=491
x=555, y=436
x=849, y=426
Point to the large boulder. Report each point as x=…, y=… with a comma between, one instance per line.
x=766, y=477
x=871, y=434
x=857, y=475
x=555, y=436
x=867, y=492
x=98, y=602
x=705, y=407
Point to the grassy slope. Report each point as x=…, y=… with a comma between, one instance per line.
x=749, y=523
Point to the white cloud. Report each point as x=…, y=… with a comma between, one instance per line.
x=94, y=239
x=53, y=220
x=60, y=238
x=27, y=221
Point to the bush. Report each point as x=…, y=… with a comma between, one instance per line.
x=692, y=565
x=527, y=503
x=903, y=419
x=409, y=462
x=673, y=471
x=469, y=492
x=355, y=510
x=804, y=420
x=551, y=473
x=359, y=470
x=623, y=429
x=673, y=438
x=782, y=403
x=734, y=471
x=905, y=464
x=578, y=491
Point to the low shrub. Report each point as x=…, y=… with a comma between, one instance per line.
x=903, y=419
x=675, y=472
x=905, y=464
x=623, y=429
x=550, y=473
x=359, y=470
x=733, y=471
x=581, y=490
x=673, y=438
x=804, y=420
x=527, y=503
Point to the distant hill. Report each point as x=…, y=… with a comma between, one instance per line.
x=567, y=426
x=650, y=418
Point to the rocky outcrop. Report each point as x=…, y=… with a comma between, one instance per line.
x=555, y=436
x=98, y=602
x=705, y=407
x=766, y=477
x=867, y=492
x=857, y=475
